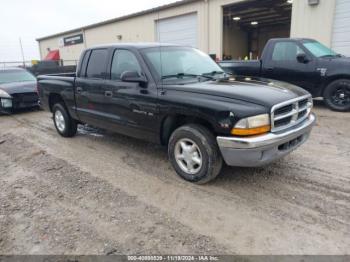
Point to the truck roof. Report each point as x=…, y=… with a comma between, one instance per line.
x=134, y=45
x=292, y=39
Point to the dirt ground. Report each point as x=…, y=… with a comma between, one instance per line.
x=102, y=193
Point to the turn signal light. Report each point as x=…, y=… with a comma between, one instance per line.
x=251, y=131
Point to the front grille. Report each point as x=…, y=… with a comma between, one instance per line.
x=290, y=113
x=25, y=99
x=303, y=103
x=283, y=110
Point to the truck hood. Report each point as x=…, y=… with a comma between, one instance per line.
x=335, y=61
x=260, y=91
x=19, y=87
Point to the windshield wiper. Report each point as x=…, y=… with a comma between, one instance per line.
x=213, y=73
x=182, y=75
x=324, y=56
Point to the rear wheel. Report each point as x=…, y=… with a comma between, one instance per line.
x=65, y=125
x=194, y=154
x=337, y=95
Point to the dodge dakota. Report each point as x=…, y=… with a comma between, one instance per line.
x=179, y=97
x=305, y=63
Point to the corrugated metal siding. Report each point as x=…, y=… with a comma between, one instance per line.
x=341, y=28
x=180, y=30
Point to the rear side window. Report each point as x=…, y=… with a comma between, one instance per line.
x=97, y=63
x=286, y=51
x=124, y=60
x=84, y=64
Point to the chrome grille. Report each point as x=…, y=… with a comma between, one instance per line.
x=290, y=113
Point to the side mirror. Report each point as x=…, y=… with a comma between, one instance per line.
x=302, y=58
x=134, y=77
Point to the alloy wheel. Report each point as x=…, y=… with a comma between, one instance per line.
x=188, y=156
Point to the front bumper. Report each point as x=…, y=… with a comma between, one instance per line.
x=18, y=101
x=264, y=149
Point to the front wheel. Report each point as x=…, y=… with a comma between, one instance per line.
x=65, y=125
x=194, y=154
x=337, y=95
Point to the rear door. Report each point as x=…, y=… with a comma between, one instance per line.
x=90, y=87
x=282, y=64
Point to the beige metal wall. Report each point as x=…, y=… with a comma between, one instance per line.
x=69, y=53
x=142, y=29
x=137, y=29
x=313, y=21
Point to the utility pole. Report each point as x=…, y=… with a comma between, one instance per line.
x=20, y=43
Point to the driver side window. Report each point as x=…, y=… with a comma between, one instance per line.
x=124, y=60
x=286, y=51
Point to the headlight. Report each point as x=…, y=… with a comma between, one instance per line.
x=6, y=102
x=4, y=94
x=254, y=125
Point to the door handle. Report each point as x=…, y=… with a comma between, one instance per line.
x=108, y=93
x=269, y=69
x=79, y=90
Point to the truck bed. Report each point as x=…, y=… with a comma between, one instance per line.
x=61, y=85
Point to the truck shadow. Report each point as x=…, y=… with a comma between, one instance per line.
x=152, y=159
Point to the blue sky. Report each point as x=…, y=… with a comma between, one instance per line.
x=30, y=19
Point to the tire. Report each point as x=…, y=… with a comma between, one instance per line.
x=337, y=95
x=65, y=125
x=195, y=142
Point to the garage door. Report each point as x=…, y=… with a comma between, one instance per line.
x=180, y=30
x=341, y=28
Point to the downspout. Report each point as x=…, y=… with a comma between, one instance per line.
x=84, y=36
x=208, y=24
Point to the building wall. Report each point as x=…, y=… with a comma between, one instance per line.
x=142, y=28
x=313, y=21
x=68, y=53
x=136, y=29
x=306, y=22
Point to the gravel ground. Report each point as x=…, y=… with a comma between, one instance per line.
x=103, y=193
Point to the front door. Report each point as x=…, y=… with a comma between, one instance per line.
x=283, y=65
x=132, y=107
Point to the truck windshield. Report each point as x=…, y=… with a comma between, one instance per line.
x=173, y=63
x=10, y=76
x=319, y=50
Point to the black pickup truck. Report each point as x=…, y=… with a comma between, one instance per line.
x=179, y=97
x=305, y=63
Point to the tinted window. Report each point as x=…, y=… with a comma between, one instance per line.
x=319, y=50
x=124, y=60
x=97, y=64
x=179, y=60
x=84, y=63
x=286, y=51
